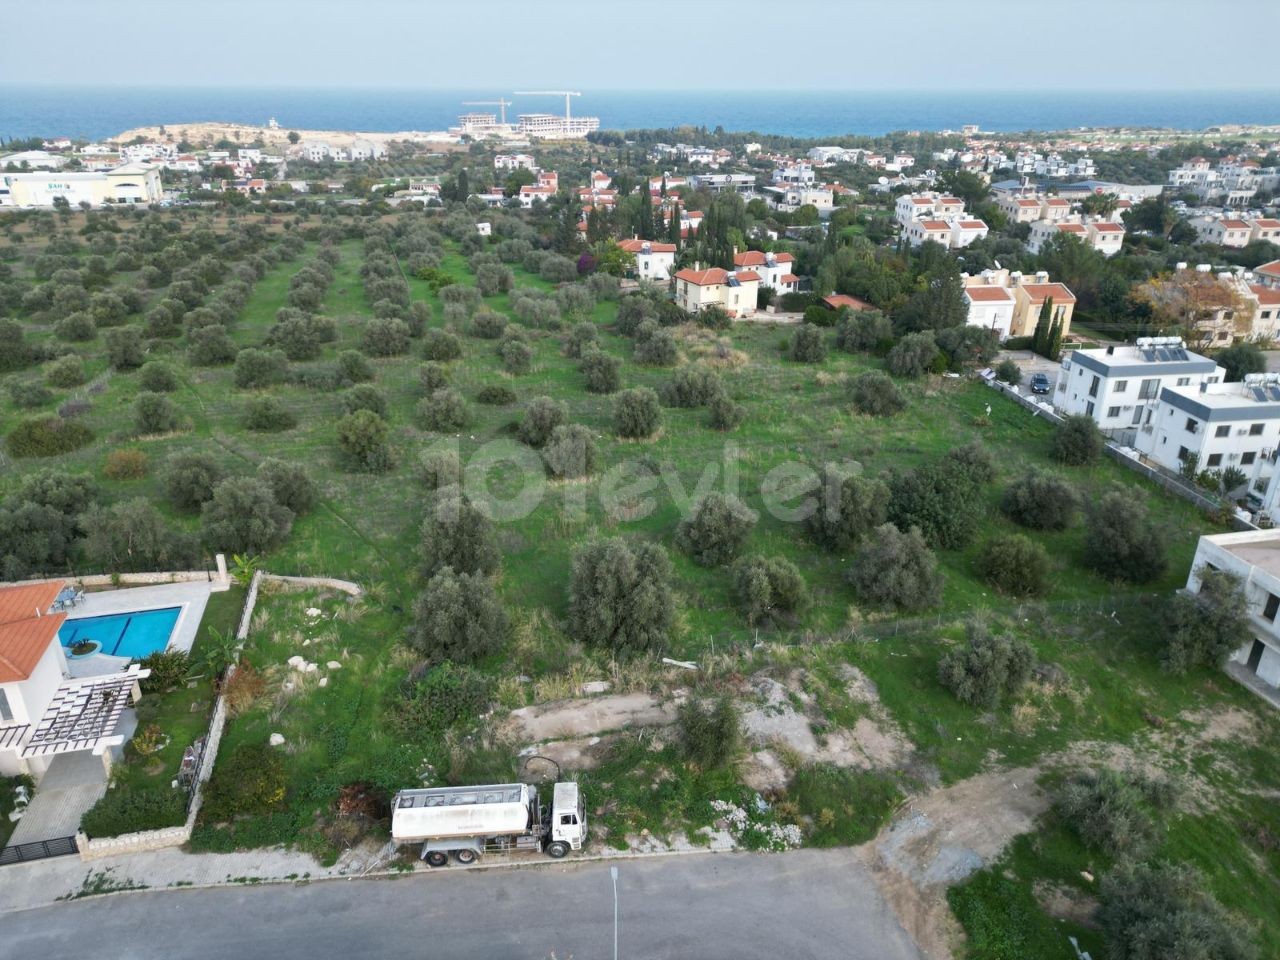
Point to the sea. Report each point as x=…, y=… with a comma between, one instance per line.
x=102, y=111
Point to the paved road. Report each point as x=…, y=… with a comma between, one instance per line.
x=807, y=904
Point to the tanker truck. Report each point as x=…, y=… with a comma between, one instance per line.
x=466, y=822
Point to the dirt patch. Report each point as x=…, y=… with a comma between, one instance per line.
x=1064, y=903
x=579, y=753
x=591, y=716
x=941, y=838
x=764, y=771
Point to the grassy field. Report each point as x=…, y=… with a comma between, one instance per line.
x=1107, y=689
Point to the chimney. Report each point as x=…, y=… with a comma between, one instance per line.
x=1111, y=349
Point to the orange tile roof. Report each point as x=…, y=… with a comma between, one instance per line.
x=1057, y=202
x=748, y=258
x=1108, y=227
x=951, y=200
x=935, y=225
x=973, y=225
x=747, y=276
x=1234, y=225
x=24, y=642
x=837, y=300
x=28, y=600
x=635, y=246
x=703, y=278
x=1028, y=203
x=1266, y=296
x=1072, y=227
x=1271, y=269
x=1039, y=292
x=988, y=294
x=789, y=278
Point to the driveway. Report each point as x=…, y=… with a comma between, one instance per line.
x=806, y=904
x=72, y=784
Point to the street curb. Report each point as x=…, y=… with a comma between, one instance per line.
x=384, y=874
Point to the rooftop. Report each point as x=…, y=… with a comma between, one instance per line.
x=1039, y=292
x=989, y=294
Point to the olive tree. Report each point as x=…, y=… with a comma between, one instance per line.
x=636, y=413
x=456, y=534
x=716, y=529
x=620, y=596
x=896, y=570
x=769, y=590
x=457, y=617
x=988, y=668
x=243, y=516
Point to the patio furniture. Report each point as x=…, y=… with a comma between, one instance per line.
x=66, y=597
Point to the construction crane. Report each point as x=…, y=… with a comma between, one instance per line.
x=552, y=93
x=499, y=103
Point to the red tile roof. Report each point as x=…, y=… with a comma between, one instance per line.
x=1039, y=292
x=789, y=278
x=1057, y=202
x=748, y=276
x=703, y=278
x=1271, y=269
x=988, y=294
x=636, y=246
x=1072, y=227
x=24, y=634
x=838, y=300
x=1108, y=227
x=1266, y=296
x=972, y=225
x=935, y=225
x=28, y=600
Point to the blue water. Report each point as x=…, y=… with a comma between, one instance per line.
x=133, y=635
x=102, y=111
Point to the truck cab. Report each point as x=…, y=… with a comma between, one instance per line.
x=568, y=820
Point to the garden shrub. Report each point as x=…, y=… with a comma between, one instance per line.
x=988, y=668
x=656, y=349
x=1114, y=812
x=541, y=417
x=169, y=669
x=354, y=366
x=154, y=413
x=636, y=414
x=1040, y=501
x=243, y=516
x=268, y=415
x=716, y=529
x=1015, y=565
x=255, y=369
x=157, y=377
x=440, y=468
x=944, y=497
x=441, y=345
x=808, y=345
x=445, y=411
x=1007, y=371
x=1077, y=442
x=875, y=394
x=77, y=327
x=726, y=414
x=496, y=395
x=385, y=337
x=580, y=338
x=290, y=484
x=620, y=596
x=124, y=348
x=1121, y=542
x=211, y=347
x=66, y=371
x=364, y=396
x=458, y=617
x=570, y=452
x=447, y=696
x=864, y=332
x=603, y=371
x=913, y=356
x=488, y=324
x=127, y=809
x=896, y=570
x=691, y=387
x=132, y=535
x=1203, y=629
x=125, y=465
x=189, y=479
x=362, y=442
x=456, y=534
x=710, y=733
x=248, y=779
x=769, y=590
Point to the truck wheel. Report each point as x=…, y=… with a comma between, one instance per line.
x=437, y=858
x=465, y=855
x=557, y=850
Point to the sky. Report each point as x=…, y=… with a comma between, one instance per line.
x=648, y=45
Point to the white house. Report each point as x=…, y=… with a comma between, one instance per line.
x=918, y=231
x=514, y=161
x=1225, y=233
x=365, y=150
x=484, y=228
x=736, y=292
x=1117, y=386
x=990, y=307
x=44, y=711
x=1254, y=556
x=654, y=261
x=774, y=269
x=1220, y=425
x=317, y=151
x=964, y=232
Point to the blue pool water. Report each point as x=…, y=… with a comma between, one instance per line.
x=133, y=635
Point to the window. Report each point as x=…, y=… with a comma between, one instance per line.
x=1247, y=458
x=568, y=819
x=1183, y=453
x=1193, y=425
x=1149, y=389
x=1093, y=387
x=1122, y=386
x=1271, y=608
x=1113, y=411
x=1255, y=429
x=1222, y=432
x=1215, y=460
x=1088, y=409
x=1184, y=381
x=6, y=711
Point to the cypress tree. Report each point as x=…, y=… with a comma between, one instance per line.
x=1055, y=340
x=646, y=213
x=1040, y=341
x=673, y=228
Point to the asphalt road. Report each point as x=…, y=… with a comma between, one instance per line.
x=807, y=904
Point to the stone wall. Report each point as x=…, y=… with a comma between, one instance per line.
x=135, y=579
x=346, y=586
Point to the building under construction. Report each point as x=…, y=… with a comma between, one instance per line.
x=541, y=126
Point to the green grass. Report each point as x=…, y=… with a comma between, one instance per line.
x=844, y=806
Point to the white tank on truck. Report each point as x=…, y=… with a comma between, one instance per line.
x=465, y=822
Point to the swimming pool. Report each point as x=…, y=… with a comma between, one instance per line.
x=133, y=635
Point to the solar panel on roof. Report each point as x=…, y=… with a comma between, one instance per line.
x=1148, y=355
x=1258, y=394
x=1274, y=392
x=1181, y=354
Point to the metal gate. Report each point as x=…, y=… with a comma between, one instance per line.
x=38, y=850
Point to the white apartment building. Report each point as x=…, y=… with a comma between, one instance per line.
x=791, y=197
x=1225, y=233
x=926, y=206
x=1254, y=556
x=1118, y=386
x=1019, y=209
x=654, y=261
x=317, y=152
x=1220, y=425
x=953, y=233
x=795, y=173
x=366, y=150
x=1103, y=235
x=724, y=182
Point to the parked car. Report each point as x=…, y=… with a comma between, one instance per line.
x=1040, y=383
